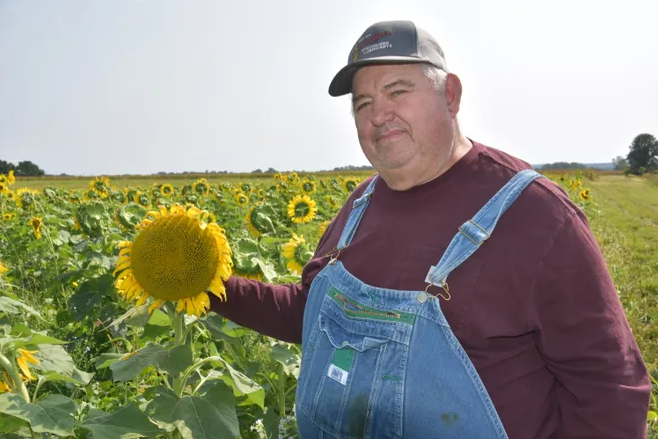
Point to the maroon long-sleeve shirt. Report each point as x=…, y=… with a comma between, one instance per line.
x=534, y=307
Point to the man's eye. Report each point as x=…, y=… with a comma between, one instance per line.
x=398, y=92
x=360, y=106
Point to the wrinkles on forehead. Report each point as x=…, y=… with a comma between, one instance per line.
x=398, y=82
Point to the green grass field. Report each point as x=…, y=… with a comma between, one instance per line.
x=627, y=230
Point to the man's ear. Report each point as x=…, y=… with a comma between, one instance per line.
x=453, y=93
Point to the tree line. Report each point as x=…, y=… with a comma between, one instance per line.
x=23, y=169
x=642, y=157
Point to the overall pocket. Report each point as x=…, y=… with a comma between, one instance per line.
x=352, y=376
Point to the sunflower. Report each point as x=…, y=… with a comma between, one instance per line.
x=302, y=209
x=201, y=187
x=176, y=256
x=349, y=184
x=4, y=383
x=23, y=359
x=3, y=179
x=36, y=223
x=242, y=199
x=100, y=185
x=3, y=187
x=167, y=190
x=296, y=253
x=585, y=195
x=8, y=216
x=323, y=227
x=3, y=269
x=10, y=178
x=142, y=199
x=10, y=195
x=309, y=187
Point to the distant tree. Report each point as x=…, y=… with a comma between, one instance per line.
x=643, y=154
x=28, y=169
x=5, y=167
x=564, y=165
x=257, y=171
x=271, y=171
x=619, y=163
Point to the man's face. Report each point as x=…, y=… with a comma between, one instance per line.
x=403, y=124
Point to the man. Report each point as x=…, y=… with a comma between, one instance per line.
x=417, y=319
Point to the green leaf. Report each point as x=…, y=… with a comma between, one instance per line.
x=53, y=414
x=89, y=295
x=159, y=324
x=12, y=306
x=243, y=385
x=652, y=416
x=10, y=424
x=211, y=416
x=291, y=362
x=55, y=359
x=173, y=361
x=124, y=423
x=134, y=317
x=104, y=360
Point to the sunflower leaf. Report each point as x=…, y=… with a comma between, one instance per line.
x=55, y=359
x=289, y=361
x=211, y=416
x=125, y=422
x=89, y=295
x=53, y=414
x=244, y=386
x=12, y=306
x=172, y=361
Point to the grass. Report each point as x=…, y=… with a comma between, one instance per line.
x=627, y=230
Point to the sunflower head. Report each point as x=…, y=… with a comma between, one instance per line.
x=585, y=194
x=10, y=195
x=167, y=190
x=350, y=184
x=242, y=199
x=101, y=186
x=296, y=253
x=10, y=177
x=302, y=209
x=4, y=187
x=176, y=256
x=201, y=187
x=309, y=187
x=36, y=224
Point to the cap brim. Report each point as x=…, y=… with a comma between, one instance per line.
x=342, y=82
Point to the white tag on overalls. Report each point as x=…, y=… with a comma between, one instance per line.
x=337, y=374
x=342, y=362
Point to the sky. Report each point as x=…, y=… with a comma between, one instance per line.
x=146, y=86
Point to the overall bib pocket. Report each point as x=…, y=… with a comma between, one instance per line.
x=354, y=369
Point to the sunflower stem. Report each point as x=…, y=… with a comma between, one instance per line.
x=15, y=376
x=282, y=391
x=180, y=334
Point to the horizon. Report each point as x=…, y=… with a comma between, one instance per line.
x=243, y=87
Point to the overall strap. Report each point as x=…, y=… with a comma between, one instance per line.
x=358, y=209
x=475, y=231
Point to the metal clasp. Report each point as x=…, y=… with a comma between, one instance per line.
x=333, y=259
x=444, y=286
x=479, y=227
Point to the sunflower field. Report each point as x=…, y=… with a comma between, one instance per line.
x=104, y=297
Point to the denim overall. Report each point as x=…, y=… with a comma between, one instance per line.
x=382, y=363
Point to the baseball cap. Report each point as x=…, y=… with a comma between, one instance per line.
x=387, y=42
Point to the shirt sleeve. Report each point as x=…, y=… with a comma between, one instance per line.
x=583, y=334
x=273, y=310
